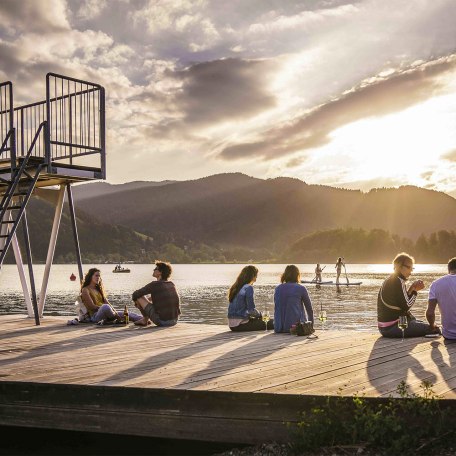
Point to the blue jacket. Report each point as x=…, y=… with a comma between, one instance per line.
x=243, y=304
x=289, y=302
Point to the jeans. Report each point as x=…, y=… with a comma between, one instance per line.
x=106, y=312
x=415, y=328
x=149, y=312
x=254, y=324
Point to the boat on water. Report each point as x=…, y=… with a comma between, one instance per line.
x=120, y=269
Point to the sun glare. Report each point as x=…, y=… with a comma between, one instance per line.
x=400, y=147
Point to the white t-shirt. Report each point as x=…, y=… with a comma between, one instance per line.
x=444, y=291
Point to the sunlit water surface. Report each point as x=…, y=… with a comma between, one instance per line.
x=203, y=290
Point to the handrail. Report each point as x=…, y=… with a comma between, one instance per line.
x=3, y=148
x=18, y=172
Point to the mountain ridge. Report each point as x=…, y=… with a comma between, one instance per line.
x=236, y=209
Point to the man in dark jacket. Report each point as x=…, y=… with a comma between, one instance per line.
x=394, y=300
x=163, y=305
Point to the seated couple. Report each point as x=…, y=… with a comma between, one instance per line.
x=291, y=302
x=162, y=307
x=395, y=300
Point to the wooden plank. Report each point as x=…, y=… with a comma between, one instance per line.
x=197, y=379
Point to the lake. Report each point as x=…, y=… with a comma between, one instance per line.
x=203, y=289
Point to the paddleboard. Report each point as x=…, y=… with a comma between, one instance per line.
x=340, y=284
x=317, y=283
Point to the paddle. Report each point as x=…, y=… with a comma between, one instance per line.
x=346, y=276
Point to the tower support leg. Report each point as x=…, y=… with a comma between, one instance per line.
x=28, y=252
x=75, y=231
x=51, y=249
x=22, y=278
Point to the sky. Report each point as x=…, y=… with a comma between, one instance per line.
x=358, y=94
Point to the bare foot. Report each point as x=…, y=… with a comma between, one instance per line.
x=142, y=322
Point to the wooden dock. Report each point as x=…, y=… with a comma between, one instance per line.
x=196, y=381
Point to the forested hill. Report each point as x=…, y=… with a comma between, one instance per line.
x=235, y=209
x=234, y=217
x=100, y=241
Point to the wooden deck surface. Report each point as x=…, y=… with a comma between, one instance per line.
x=200, y=362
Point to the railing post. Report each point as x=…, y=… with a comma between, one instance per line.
x=47, y=126
x=102, y=133
x=13, y=139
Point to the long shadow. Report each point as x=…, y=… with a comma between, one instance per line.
x=85, y=341
x=231, y=361
x=438, y=348
x=155, y=362
x=392, y=359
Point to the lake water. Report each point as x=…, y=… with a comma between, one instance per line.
x=203, y=290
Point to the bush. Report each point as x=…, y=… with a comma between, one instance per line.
x=404, y=425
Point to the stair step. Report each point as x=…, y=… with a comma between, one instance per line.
x=14, y=207
x=5, y=222
x=4, y=235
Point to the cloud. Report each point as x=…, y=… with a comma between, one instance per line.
x=91, y=8
x=42, y=16
x=379, y=96
x=225, y=89
x=450, y=156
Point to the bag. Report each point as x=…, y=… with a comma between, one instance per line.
x=81, y=310
x=303, y=329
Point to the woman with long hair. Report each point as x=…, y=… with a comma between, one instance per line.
x=338, y=267
x=93, y=296
x=242, y=314
x=291, y=301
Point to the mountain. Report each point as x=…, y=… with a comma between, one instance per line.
x=235, y=209
x=99, y=241
x=84, y=191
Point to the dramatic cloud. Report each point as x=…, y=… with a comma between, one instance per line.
x=225, y=89
x=263, y=87
x=33, y=16
x=379, y=96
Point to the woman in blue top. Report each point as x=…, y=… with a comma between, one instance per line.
x=242, y=314
x=290, y=298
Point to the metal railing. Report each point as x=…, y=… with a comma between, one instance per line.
x=75, y=114
x=7, y=136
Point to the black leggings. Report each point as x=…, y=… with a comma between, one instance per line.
x=254, y=324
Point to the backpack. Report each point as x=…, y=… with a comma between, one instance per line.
x=81, y=310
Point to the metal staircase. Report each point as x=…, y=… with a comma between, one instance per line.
x=17, y=195
x=53, y=142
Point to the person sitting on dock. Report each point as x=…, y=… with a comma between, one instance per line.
x=290, y=299
x=94, y=298
x=242, y=314
x=442, y=293
x=163, y=306
x=394, y=300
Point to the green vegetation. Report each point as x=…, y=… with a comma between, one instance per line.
x=370, y=246
x=410, y=424
x=238, y=219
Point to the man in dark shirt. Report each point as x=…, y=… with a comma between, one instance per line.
x=163, y=305
x=395, y=300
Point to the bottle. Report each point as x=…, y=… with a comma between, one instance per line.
x=125, y=315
